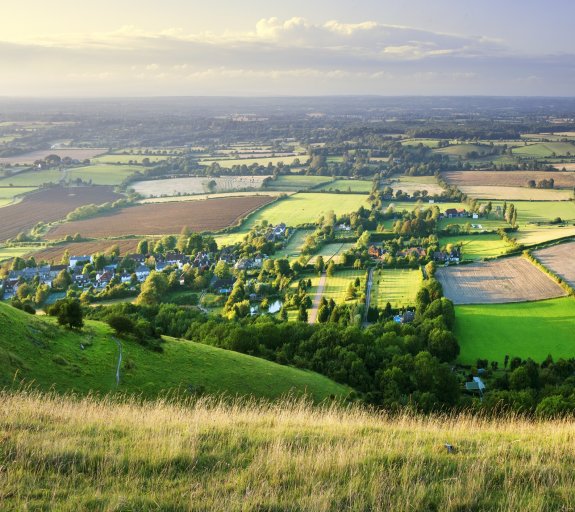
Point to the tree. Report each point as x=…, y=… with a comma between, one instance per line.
x=282, y=267
x=153, y=289
x=69, y=312
x=319, y=264
x=222, y=270
x=323, y=314
x=519, y=379
x=122, y=324
x=143, y=247
x=211, y=186
x=330, y=268
x=302, y=314
x=62, y=280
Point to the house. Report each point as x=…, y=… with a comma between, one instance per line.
x=80, y=260
x=343, y=227
x=103, y=279
x=138, y=258
x=450, y=213
x=202, y=260
x=142, y=272
x=374, y=251
x=162, y=265
x=125, y=277
x=178, y=259
x=276, y=233
x=475, y=386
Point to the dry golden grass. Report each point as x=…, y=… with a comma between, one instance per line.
x=67, y=454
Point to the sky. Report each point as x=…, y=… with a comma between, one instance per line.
x=270, y=48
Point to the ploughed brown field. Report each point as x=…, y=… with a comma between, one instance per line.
x=560, y=259
x=55, y=253
x=32, y=156
x=164, y=218
x=49, y=205
x=563, y=179
x=492, y=282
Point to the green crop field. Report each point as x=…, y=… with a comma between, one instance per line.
x=32, y=178
x=103, y=174
x=461, y=149
x=297, y=182
x=305, y=208
x=544, y=150
x=10, y=192
x=409, y=206
x=349, y=186
x=336, y=285
x=476, y=247
x=397, y=286
x=51, y=356
x=7, y=253
x=430, y=143
x=528, y=329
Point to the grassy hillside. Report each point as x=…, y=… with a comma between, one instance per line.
x=527, y=329
x=67, y=455
x=37, y=350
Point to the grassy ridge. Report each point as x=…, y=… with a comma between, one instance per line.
x=63, y=454
x=38, y=350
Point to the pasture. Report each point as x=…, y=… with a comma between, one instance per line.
x=563, y=179
x=304, y=208
x=560, y=259
x=532, y=234
x=295, y=182
x=227, y=163
x=49, y=205
x=399, y=287
x=349, y=186
x=336, y=286
x=201, y=197
x=293, y=247
x=477, y=247
x=102, y=174
x=544, y=150
x=33, y=178
x=163, y=218
x=513, y=279
x=195, y=185
x=331, y=251
x=7, y=253
x=411, y=184
x=10, y=193
x=529, y=329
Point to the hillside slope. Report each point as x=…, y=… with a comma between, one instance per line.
x=67, y=455
x=35, y=349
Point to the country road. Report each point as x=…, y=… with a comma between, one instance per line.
x=119, y=361
x=312, y=315
x=368, y=294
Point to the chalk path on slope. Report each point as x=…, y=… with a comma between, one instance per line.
x=312, y=317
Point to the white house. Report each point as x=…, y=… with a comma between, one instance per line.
x=74, y=260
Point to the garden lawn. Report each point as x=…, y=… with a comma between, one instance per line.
x=399, y=287
x=336, y=285
x=527, y=329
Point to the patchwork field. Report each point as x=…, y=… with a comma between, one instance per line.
x=544, y=150
x=164, y=218
x=477, y=247
x=10, y=193
x=49, y=205
x=128, y=159
x=532, y=234
x=560, y=259
x=504, y=280
x=74, y=153
x=349, y=186
x=55, y=253
x=228, y=163
x=32, y=178
x=201, y=197
x=7, y=253
x=305, y=208
x=399, y=287
x=508, y=178
x=516, y=193
x=530, y=329
x=195, y=185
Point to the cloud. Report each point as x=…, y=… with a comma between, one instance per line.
x=291, y=56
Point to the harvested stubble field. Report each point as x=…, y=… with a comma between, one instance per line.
x=195, y=185
x=563, y=179
x=74, y=153
x=56, y=252
x=493, y=282
x=164, y=218
x=560, y=259
x=49, y=205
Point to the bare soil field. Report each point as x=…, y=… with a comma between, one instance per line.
x=563, y=179
x=54, y=254
x=49, y=205
x=493, y=282
x=164, y=218
x=75, y=153
x=560, y=259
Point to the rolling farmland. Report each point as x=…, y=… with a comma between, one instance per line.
x=505, y=280
x=476, y=247
x=49, y=205
x=164, y=218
